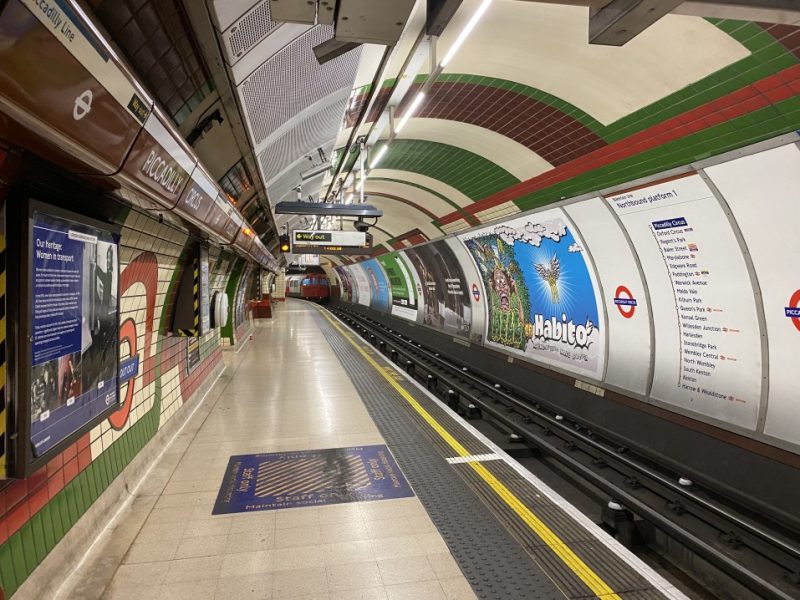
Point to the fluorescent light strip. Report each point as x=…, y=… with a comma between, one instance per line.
x=378, y=158
x=465, y=32
x=410, y=112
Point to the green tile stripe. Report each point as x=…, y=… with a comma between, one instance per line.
x=26, y=548
x=471, y=174
x=767, y=57
x=761, y=124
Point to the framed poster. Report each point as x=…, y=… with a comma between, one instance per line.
x=70, y=346
x=543, y=298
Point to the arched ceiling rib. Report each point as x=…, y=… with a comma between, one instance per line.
x=444, y=190
x=421, y=196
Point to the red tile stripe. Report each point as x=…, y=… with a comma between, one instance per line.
x=769, y=90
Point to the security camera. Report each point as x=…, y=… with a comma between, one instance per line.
x=361, y=226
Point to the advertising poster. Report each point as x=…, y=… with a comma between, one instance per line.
x=74, y=327
x=707, y=338
x=347, y=293
x=380, y=298
x=363, y=294
x=543, y=301
x=444, y=289
x=774, y=246
x=404, y=295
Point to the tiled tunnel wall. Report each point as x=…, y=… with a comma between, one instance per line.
x=37, y=512
x=749, y=100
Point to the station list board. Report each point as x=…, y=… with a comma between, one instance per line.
x=707, y=338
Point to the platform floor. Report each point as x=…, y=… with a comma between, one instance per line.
x=286, y=390
x=305, y=382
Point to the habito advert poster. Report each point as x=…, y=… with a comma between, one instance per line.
x=73, y=328
x=543, y=299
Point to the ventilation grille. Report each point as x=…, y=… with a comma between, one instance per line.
x=318, y=129
x=292, y=80
x=282, y=188
x=245, y=33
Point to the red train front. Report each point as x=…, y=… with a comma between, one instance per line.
x=310, y=286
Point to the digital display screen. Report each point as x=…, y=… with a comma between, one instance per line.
x=74, y=327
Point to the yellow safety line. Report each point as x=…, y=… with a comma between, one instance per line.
x=548, y=536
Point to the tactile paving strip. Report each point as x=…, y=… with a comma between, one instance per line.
x=493, y=562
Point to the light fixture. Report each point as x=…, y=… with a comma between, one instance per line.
x=410, y=112
x=465, y=32
x=378, y=158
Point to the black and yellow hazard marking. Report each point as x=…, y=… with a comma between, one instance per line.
x=3, y=393
x=195, y=330
x=558, y=548
x=310, y=478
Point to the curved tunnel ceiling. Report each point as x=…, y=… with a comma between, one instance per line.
x=527, y=111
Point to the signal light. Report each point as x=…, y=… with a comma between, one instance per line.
x=285, y=247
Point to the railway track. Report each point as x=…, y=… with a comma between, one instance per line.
x=760, y=555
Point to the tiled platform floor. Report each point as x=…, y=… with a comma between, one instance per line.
x=284, y=391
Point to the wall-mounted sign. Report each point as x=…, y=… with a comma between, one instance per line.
x=331, y=242
x=73, y=328
x=707, y=344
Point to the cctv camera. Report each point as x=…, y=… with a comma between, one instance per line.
x=361, y=226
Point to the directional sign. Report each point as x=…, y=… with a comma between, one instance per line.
x=626, y=303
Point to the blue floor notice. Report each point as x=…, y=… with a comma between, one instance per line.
x=310, y=478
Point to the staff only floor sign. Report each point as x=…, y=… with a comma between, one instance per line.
x=278, y=480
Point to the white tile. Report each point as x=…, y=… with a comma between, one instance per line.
x=246, y=587
x=152, y=551
x=193, y=569
x=249, y=541
x=419, y=590
x=188, y=590
x=457, y=588
x=207, y=528
x=297, y=536
x=354, y=576
x=201, y=546
x=405, y=570
x=348, y=552
x=302, y=557
x=246, y=563
x=302, y=582
x=444, y=565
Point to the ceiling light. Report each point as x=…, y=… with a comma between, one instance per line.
x=378, y=158
x=410, y=112
x=465, y=32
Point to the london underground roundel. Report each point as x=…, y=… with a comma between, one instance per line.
x=626, y=303
x=793, y=310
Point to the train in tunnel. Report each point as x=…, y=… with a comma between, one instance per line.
x=309, y=286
